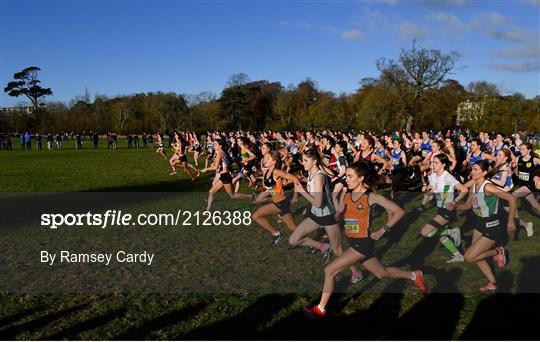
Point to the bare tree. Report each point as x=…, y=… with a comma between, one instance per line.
x=238, y=80
x=125, y=113
x=427, y=68
x=422, y=69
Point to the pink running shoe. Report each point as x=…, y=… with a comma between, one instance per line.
x=500, y=257
x=490, y=287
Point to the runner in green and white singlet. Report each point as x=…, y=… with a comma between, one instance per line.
x=442, y=184
x=488, y=230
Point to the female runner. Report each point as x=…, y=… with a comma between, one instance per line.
x=488, y=230
x=223, y=179
x=442, y=184
x=527, y=164
x=159, y=139
x=397, y=170
x=356, y=206
x=280, y=203
x=322, y=209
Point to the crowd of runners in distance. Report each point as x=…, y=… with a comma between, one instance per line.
x=341, y=175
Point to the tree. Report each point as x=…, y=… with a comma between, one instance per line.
x=283, y=108
x=26, y=83
x=237, y=80
x=379, y=107
x=480, y=89
x=424, y=69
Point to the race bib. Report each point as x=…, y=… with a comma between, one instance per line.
x=524, y=176
x=492, y=224
x=424, y=153
x=477, y=211
x=352, y=226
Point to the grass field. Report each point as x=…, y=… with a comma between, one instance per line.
x=224, y=282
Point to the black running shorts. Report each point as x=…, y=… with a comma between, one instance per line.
x=364, y=246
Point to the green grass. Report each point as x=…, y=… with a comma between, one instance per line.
x=219, y=282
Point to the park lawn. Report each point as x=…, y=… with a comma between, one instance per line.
x=230, y=283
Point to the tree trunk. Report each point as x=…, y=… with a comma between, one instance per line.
x=410, y=119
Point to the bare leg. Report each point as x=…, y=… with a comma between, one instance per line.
x=215, y=188
x=477, y=250
x=346, y=259
x=289, y=221
x=298, y=236
x=228, y=188
x=260, y=214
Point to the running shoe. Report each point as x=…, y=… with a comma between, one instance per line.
x=500, y=257
x=490, y=287
x=326, y=254
x=419, y=280
x=254, y=195
x=312, y=250
x=276, y=239
x=314, y=312
x=529, y=229
x=456, y=258
x=357, y=277
x=455, y=234
x=422, y=208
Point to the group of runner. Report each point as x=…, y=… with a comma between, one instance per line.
x=340, y=174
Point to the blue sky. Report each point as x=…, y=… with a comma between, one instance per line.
x=125, y=47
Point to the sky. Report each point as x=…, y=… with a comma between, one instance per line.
x=125, y=47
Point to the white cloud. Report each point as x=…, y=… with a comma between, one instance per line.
x=328, y=28
x=450, y=24
x=517, y=67
x=307, y=26
x=525, y=51
x=490, y=20
x=296, y=24
x=515, y=34
x=353, y=35
x=371, y=20
x=440, y=4
x=389, y=2
x=408, y=30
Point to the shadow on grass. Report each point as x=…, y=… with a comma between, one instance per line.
x=398, y=232
x=8, y=320
x=92, y=323
x=245, y=324
x=505, y=316
x=174, y=317
x=363, y=324
x=437, y=315
x=38, y=323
